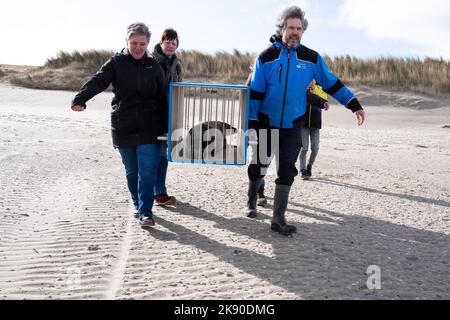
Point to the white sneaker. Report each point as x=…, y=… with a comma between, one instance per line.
x=147, y=222
x=261, y=202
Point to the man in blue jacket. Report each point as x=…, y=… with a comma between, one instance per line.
x=281, y=76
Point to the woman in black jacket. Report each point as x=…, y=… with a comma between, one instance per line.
x=139, y=114
x=165, y=54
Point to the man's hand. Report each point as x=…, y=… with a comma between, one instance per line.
x=78, y=108
x=326, y=106
x=360, y=116
x=252, y=136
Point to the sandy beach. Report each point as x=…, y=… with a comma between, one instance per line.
x=380, y=197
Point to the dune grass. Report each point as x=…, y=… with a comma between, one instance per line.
x=229, y=67
x=429, y=76
x=68, y=71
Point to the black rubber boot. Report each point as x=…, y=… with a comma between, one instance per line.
x=253, y=187
x=309, y=171
x=280, y=204
x=304, y=174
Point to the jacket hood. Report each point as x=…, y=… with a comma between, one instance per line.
x=126, y=53
x=277, y=40
x=160, y=56
x=157, y=52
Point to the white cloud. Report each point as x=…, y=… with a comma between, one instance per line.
x=421, y=23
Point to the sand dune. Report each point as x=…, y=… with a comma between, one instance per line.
x=380, y=197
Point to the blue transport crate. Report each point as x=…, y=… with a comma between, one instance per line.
x=208, y=123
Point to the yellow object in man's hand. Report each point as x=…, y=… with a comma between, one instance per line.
x=319, y=92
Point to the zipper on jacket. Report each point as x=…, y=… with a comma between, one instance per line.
x=138, y=103
x=281, y=72
x=285, y=88
x=310, y=115
x=139, y=77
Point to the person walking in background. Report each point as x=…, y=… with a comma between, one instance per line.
x=139, y=114
x=279, y=83
x=310, y=130
x=165, y=53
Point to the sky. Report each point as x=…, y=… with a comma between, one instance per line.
x=32, y=31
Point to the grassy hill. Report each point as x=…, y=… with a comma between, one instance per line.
x=68, y=71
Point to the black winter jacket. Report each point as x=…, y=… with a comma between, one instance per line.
x=313, y=115
x=139, y=107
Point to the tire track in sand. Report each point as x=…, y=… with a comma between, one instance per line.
x=64, y=217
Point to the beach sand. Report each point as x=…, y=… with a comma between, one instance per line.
x=380, y=197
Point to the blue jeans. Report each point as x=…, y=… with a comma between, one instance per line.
x=141, y=164
x=160, y=184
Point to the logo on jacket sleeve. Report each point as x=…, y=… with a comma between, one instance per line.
x=301, y=66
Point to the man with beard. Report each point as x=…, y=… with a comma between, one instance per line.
x=281, y=76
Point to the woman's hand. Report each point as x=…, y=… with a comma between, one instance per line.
x=78, y=108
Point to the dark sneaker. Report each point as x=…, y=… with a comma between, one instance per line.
x=165, y=200
x=285, y=230
x=305, y=174
x=147, y=222
x=309, y=171
x=261, y=202
x=252, y=213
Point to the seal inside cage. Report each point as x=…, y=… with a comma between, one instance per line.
x=208, y=123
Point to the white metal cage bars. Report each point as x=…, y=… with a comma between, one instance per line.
x=208, y=124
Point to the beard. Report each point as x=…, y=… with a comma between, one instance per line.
x=292, y=41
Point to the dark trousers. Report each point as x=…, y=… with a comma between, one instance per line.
x=286, y=148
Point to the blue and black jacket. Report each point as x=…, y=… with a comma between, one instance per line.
x=279, y=84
